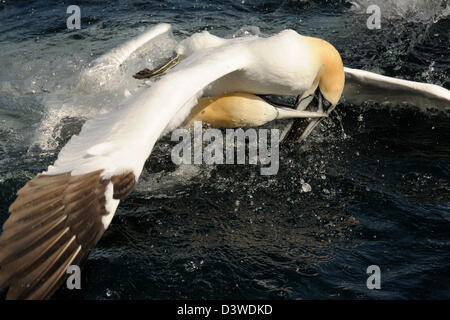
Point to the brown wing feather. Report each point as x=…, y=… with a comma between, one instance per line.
x=54, y=222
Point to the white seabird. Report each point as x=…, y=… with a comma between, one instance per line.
x=239, y=109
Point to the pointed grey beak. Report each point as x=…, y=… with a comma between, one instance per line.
x=312, y=124
x=320, y=109
x=301, y=113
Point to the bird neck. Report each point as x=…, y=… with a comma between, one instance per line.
x=331, y=74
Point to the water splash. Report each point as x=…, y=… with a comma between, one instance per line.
x=95, y=89
x=247, y=31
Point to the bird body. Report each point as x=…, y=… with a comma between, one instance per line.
x=285, y=65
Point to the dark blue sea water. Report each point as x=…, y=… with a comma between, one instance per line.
x=380, y=177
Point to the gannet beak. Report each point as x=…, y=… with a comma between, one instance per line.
x=312, y=124
x=323, y=107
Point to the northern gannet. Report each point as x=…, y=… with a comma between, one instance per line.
x=61, y=214
x=242, y=109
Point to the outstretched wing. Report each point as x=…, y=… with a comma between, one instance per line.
x=362, y=86
x=54, y=222
x=101, y=69
x=61, y=214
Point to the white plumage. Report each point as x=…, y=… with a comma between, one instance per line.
x=123, y=139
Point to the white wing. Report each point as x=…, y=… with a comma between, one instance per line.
x=364, y=86
x=104, y=67
x=61, y=214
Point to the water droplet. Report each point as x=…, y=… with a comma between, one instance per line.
x=306, y=187
x=190, y=266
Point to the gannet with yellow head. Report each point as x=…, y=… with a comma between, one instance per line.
x=246, y=110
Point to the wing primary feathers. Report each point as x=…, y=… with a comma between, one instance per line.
x=54, y=222
x=123, y=185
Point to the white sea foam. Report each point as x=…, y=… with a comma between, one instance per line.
x=77, y=97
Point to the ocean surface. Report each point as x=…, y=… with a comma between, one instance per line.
x=379, y=176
